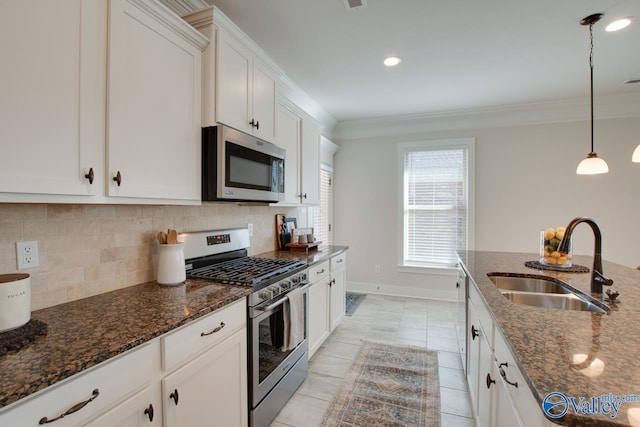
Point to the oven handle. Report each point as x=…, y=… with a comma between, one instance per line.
x=280, y=301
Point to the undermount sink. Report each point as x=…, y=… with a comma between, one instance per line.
x=558, y=301
x=539, y=291
x=528, y=284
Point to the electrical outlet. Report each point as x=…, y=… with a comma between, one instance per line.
x=377, y=269
x=250, y=228
x=27, y=254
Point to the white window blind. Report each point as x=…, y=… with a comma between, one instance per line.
x=435, y=205
x=322, y=214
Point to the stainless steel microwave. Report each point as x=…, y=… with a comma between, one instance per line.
x=240, y=167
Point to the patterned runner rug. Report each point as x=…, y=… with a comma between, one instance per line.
x=388, y=385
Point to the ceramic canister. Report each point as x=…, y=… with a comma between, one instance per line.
x=171, y=268
x=15, y=300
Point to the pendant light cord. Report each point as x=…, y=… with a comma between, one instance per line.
x=591, y=76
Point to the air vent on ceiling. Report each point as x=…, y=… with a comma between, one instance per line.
x=355, y=4
x=632, y=81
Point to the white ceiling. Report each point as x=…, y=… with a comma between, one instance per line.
x=456, y=54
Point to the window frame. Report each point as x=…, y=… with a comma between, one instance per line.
x=434, y=145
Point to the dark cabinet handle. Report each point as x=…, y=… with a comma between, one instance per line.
x=474, y=333
x=118, y=178
x=89, y=176
x=257, y=124
x=457, y=284
x=74, y=408
x=149, y=412
x=204, y=334
x=503, y=374
x=304, y=196
x=333, y=282
x=490, y=381
x=175, y=396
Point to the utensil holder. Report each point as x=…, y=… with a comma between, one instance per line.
x=171, y=268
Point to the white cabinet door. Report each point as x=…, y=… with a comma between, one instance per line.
x=338, y=296
x=504, y=413
x=319, y=300
x=141, y=410
x=211, y=389
x=52, y=96
x=310, y=164
x=154, y=103
x=264, y=102
x=288, y=137
x=233, y=88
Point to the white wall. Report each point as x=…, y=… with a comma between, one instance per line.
x=525, y=181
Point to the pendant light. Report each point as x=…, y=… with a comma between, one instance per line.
x=593, y=164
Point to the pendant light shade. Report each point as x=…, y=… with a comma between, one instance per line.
x=593, y=164
x=636, y=155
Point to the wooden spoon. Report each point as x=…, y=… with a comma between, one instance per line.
x=172, y=237
x=162, y=237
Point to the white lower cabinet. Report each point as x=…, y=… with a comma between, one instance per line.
x=144, y=409
x=204, y=382
x=499, y=395
x=338, y=289
x=319, y=300
x=210, y=390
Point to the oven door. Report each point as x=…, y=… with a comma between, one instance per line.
x=268, y=363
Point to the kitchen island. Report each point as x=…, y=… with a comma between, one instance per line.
x=549, y=344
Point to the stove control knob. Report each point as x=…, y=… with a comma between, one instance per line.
x=295, y=279
x=285, y=284
x=266, y=294
x=275, y=289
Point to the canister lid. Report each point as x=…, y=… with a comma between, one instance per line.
x=5, y=278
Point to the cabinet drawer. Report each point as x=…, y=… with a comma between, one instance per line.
x=114, y=381
x=338, y=261
x=319, y=271
x=191, y=339
x=523, y=400
x=486, y=320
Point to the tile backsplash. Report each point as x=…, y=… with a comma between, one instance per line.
x=86, y=250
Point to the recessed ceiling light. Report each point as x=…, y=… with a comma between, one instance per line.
x=619, y=24
x=391, y=61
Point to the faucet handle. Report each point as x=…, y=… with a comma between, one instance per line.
x=598, y=277
x=612, y=294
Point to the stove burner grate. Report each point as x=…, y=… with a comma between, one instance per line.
x=246, y=271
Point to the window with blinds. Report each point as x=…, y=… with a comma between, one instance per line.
x=435, y=204
x=323, y=214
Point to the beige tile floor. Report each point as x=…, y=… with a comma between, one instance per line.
x=408, y=321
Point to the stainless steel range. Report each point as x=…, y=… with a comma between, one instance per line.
x=275, y=372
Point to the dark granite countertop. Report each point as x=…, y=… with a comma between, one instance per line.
x=311, y=257
x=86, y=332
x=89, y=331
x=544, y=341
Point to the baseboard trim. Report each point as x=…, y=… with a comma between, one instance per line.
x=401, y=291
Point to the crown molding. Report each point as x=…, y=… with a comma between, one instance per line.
x=568, y=110
x=169, y=19
x=183, y=7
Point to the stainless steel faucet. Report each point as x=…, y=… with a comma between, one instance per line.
x=597, y=276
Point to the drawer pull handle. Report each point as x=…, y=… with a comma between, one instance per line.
x=490, y=381
x=74, y=408
x=175, y=396
x=503, y=374
x=474, y=333
x=118, y=178
x=321, y=271
x=339, y=261
x=218, y=329
x=149, y=412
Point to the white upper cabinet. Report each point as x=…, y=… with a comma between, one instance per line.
x=240, y=89
x=154, y=103
x=288, y=135
x=52, y=101
x=310, y=163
